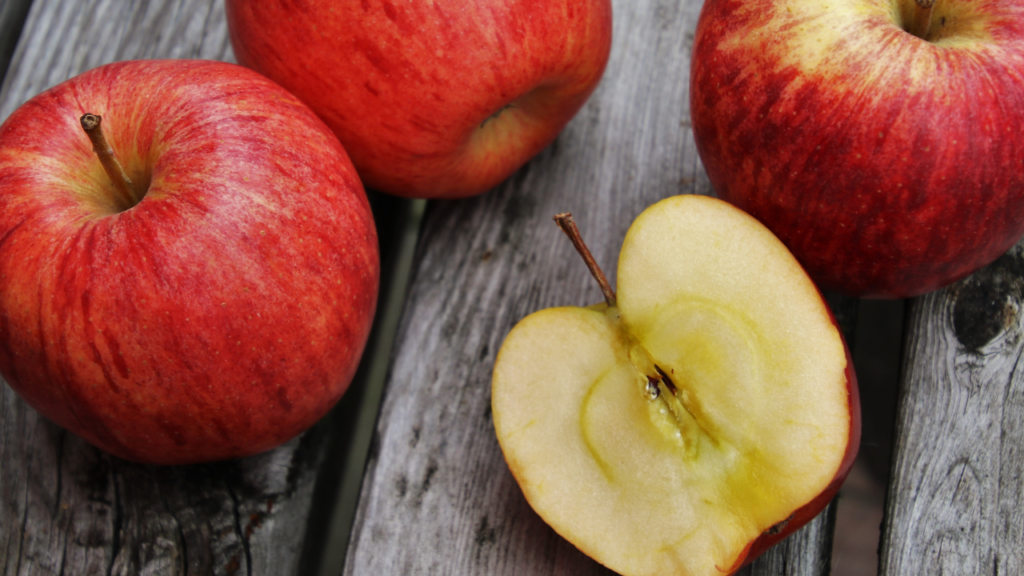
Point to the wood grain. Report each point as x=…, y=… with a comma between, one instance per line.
x=12, y=18
x=437, y=497
x=67, y=508
x=955, y=503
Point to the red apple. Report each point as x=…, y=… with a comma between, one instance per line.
x=431, y=99
x=218, y=308
x=890, y=162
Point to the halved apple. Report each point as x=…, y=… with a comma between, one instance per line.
x=704, y=416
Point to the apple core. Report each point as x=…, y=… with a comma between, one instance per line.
x=700, y=355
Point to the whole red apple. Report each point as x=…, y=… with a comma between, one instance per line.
x=431, y=99
x=881, y=142
x=216, y=309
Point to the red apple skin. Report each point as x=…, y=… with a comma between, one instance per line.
x=809, y=511
x=221, y=315
x=890, y=167
x=431, y=99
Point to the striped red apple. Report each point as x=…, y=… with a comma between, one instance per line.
x=879, y=140
x=213, y=301
x=431, y=99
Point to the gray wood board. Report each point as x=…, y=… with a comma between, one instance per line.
x=12, y=18
x=956, y=499
x=67, y=508
x=437, y=497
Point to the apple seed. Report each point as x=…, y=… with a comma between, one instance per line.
x=653, y=391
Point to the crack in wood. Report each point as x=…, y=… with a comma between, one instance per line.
x=117, y=520
x=235, y=509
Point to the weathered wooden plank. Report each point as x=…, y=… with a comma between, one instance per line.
x=67, y=508
x=341, y=472
x=956, y=500
x=437, y=497
x=62, y=39
x=12, y=18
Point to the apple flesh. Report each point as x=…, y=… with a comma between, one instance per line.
x=706, y=416
x=431, y=99
x=220, y=311
x=889, y=164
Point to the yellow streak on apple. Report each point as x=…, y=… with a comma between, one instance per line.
x=877, y=26
x=679, y=484
x=487, y=148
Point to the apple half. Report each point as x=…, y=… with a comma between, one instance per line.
x=707, y=414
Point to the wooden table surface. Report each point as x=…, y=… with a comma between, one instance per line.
x=436, y=496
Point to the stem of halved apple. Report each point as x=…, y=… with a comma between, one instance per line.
x=568, y=225
x=122, y=183
x=922, y=18
x=685, y=423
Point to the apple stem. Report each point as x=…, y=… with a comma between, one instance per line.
x=566, y=223
x=922, y=18
x=113, y=168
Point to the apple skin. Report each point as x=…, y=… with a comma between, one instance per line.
x=431, y=100
x=218, y=317
x=889, y=165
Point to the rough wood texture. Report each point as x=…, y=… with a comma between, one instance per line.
x=437, y=497
x=67, y=508
x=12, y=18
x=956, y=502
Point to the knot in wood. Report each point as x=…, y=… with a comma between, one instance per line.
x=987, y=303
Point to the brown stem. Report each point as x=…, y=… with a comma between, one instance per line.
x=123, y=184
x=921, y=21
x=566, y=223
